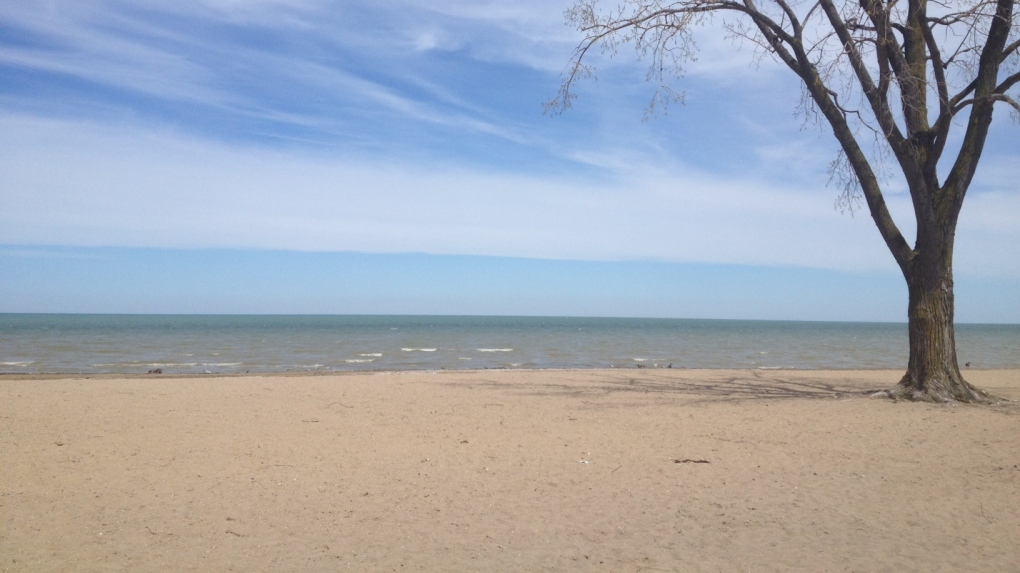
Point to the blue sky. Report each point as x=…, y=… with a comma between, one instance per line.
x=367, y=157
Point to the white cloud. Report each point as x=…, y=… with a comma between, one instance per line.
x=82, y=183
x=79, y=184
x=187, y=63
x=526, y=32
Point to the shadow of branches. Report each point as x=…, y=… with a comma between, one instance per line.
x=721, y=386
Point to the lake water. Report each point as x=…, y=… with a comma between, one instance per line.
x=73, y=343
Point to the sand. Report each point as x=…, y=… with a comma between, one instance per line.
x=506, y=471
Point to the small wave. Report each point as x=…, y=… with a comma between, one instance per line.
x=463, y=358
x=515, y=364
x=418, y=349
x=151, y=364
x=770, y=367
x=494, y=349
x=359, y=360
x=26, y=363
x=376, y=354
x=221, y=364
x=640, y=359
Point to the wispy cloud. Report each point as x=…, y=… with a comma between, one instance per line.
x=289, y=62
x=416, y=126
x=160, y=189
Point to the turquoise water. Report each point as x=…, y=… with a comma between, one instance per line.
x=73, y=343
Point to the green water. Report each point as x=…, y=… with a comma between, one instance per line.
x=73, y=343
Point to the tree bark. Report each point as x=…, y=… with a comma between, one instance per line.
x=933, y=373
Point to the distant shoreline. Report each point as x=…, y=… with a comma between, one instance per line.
x=322, y=373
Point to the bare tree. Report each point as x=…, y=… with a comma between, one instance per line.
x=896, y=76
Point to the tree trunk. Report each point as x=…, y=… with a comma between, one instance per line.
x=932, y=371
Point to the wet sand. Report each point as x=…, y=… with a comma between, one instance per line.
x=601, y=470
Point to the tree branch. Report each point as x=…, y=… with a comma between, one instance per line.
x=794, y=22
x=1009, y=49
x=1008, y=83
x=876, y=95
x=945, y=117
x=963, y=169
x=854, y=155
x=1009, y=101
x=913, y=86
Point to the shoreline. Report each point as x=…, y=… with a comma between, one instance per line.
x=321, y=373
x=505, y=470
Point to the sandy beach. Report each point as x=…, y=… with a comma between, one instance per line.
x=601, y=470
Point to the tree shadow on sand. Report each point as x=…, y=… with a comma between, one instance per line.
x=724, y=386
